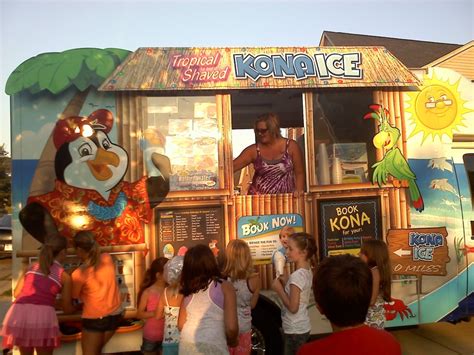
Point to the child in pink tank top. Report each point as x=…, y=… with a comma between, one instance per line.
x=31, y=322
x=148, y=298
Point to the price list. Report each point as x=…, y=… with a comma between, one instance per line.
x=188, y=227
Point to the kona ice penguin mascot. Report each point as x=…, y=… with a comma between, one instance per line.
x=89, y=192
x=393, y=162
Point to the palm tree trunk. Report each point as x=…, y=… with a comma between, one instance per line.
x=43, y=180
x=44, y=177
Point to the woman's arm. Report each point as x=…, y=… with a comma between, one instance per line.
x=66, y=293
x=291, y=301
x=142, y=313
x=182, y=315
x=298, y=166
x=254, y=285
x=375, y=285
x=231, y=323
x=245, y=158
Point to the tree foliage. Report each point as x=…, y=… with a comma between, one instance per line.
x=5, y=181
x=56, y=72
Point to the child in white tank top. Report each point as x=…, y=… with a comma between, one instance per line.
x=208, y=314
x=169, y=305
x=239, y=271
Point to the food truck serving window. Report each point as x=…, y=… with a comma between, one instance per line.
x=343, y=140
x=185, y=129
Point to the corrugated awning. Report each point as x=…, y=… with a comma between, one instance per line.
x=155, y=69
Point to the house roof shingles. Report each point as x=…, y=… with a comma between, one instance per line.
x=413, y=54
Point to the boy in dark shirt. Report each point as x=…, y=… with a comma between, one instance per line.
x=342, y=289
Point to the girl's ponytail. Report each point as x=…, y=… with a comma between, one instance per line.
x=49, y=250
x=306, y=242
x=85, y=240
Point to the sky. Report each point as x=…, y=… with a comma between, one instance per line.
x=32, y=27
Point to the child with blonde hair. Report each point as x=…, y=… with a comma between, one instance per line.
x=239, y=271
x=374, y=253
x=149, y=297
x=168, y=307
x=294, y=292
x=279, y=257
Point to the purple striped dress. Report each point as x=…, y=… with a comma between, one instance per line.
x=273, y=176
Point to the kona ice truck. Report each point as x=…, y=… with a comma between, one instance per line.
x=88, y=125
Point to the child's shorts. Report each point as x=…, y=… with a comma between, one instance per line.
x=170, y=348
x=150, y=346
x=104, y=324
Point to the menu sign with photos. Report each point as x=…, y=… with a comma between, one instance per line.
x=191, y=136
x=180, y=229
x=345, y=223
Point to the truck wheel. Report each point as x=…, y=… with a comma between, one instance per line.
x=266, y=324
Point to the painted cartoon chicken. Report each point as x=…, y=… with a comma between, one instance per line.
x=393, y=162
x=89, y=192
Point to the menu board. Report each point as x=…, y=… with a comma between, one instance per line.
x=180, y=229
x=345, y=223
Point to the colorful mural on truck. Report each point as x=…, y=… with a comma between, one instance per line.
x=442, y=108
x=79, y=151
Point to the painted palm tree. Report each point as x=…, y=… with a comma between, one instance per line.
x=55, y=73
x=393, y=162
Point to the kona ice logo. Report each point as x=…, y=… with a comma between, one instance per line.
x=423, y=244
x=299, y=66
x=252, y=226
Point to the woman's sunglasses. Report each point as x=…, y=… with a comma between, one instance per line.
x=261, y=130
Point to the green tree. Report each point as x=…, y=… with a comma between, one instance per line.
x=5, y=181
x=81, y=68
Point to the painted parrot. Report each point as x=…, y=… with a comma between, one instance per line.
x=393, y=162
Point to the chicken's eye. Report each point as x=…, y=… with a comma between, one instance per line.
x=106, y=144
x=85, y=149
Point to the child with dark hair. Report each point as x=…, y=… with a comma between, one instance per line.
x=294, y=292
x=148, y=298
x=95, y=284
x=208, y=313
x=375, y=254
x=31, y=322
x=342, y=290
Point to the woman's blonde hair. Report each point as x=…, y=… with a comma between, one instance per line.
x=49, y=251
x=273, y=124
x=238, y=264
x=86, y=241
x=376, y=252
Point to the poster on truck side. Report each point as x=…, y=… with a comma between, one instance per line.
x=346, y=222
x=262, y=232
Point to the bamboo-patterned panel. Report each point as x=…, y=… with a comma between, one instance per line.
x=393, y=101
x=130, y=122
x=257, y=205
